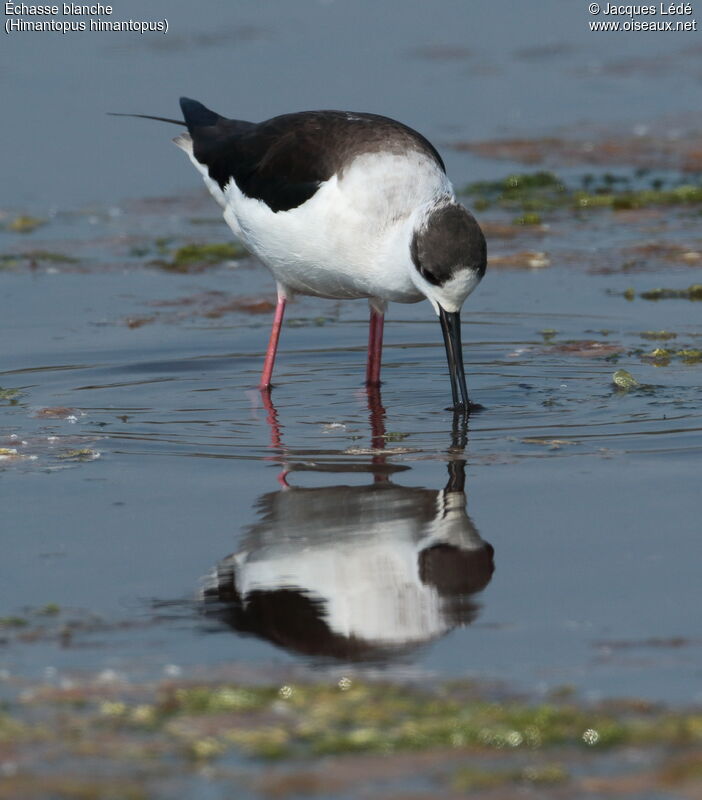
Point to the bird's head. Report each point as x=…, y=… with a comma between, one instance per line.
x=449, y=258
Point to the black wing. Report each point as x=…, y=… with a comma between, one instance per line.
x=284, y=160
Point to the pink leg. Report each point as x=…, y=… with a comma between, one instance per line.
x=272, y=420
x=276, y=439
x=272, y=345
x=375, y=347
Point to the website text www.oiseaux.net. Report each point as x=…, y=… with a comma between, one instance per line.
x=670, y=17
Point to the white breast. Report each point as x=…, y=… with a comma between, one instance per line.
x=351, y=239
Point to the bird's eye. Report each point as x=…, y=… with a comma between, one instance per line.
x=429, y=277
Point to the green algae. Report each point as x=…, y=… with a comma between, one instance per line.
x=9, y=260
x=543, y=191
x=50, y=257
x=13, y=622
x=9, y=394
x=395, y=436
x=11, y=730
x=531, y=218
x=207, y=253
x=530, y=192
x=213, y=700
x=305, y=720
x=142, y=732
x=30, y=616
x=663, y=336
x=624, y=380
x=204, y=749
x=25, y=223
x=687, y=194
x=193, y=256
x=79, y=454
x=690, y=355
x=662, y=356
x=472, y=779
x=693, y=292
x=34, y=257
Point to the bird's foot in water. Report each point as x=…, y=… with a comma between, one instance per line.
x=471, y=408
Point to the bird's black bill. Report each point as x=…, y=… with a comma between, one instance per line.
x=146, y=116
x=451, y=328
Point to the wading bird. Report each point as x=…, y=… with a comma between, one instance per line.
x=343, y=205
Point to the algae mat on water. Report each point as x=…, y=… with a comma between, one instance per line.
x=334, y=739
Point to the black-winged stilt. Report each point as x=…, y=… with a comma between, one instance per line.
x=343, y=205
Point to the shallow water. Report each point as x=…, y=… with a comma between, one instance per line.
x=453, y=70
x=159, y=518
x=145, y=458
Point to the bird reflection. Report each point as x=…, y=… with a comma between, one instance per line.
x=363, y=573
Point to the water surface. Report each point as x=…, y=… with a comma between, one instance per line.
x=552, y=541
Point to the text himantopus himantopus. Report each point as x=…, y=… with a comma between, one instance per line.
x=343, y=205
